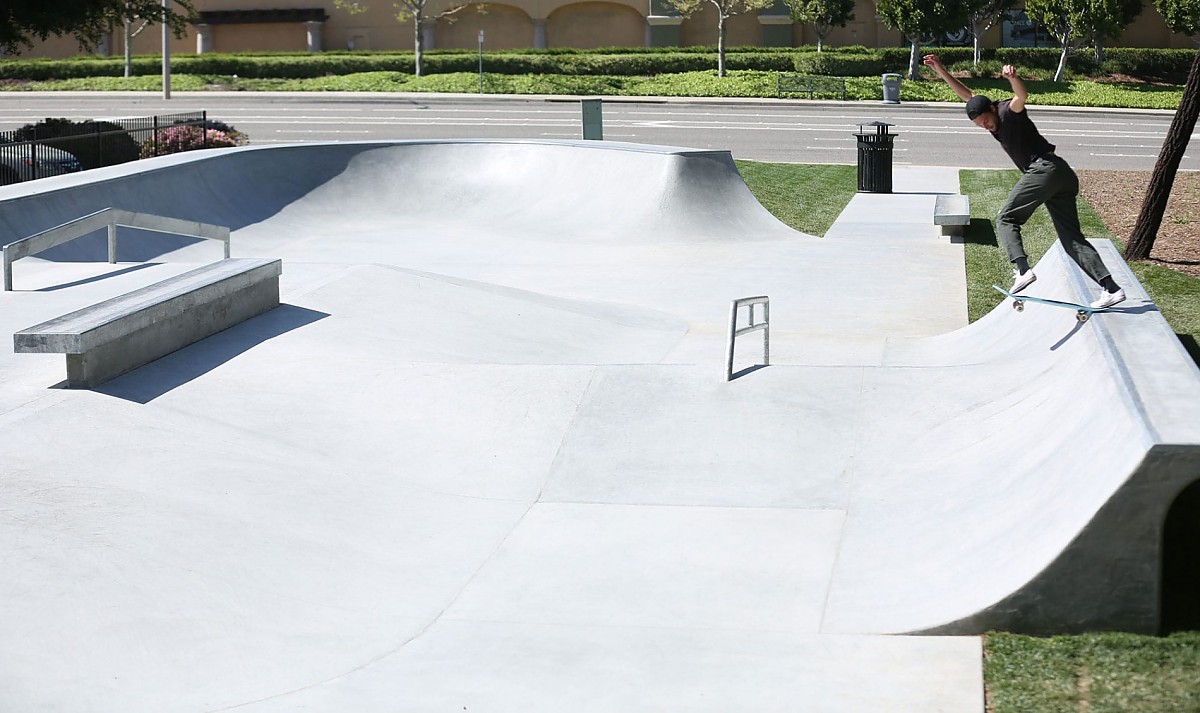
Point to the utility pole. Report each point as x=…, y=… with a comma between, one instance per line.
x=166, y=50
x=481, y=61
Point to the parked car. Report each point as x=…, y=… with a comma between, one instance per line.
x=17, y=164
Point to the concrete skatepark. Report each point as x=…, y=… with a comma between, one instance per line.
x=483, y=456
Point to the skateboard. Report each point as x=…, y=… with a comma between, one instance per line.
x=1082, y=312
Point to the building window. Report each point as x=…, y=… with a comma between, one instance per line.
x=1019, y=31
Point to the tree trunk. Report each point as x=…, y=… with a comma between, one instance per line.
x=1099, y=56
x=914, y=58
x=721, y=44
x=418, y=43
x=1145, y=230
x=1062, y=59
x=975, y=42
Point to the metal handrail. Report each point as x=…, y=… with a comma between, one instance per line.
x=108, y=218
x=734, y=332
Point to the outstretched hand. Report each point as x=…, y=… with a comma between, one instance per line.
x=932, y=61
x=1009, y=71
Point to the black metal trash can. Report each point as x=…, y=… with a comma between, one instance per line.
x=875, y=158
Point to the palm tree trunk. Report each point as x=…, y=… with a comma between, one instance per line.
x=1145, y=230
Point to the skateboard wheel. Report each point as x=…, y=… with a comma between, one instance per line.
x=1018, y=305
x=1082, y=316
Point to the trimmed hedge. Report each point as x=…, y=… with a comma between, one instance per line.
x=1149, y=64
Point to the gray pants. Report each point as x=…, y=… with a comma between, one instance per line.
x=1050, y=181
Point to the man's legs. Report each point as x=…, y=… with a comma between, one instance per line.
x=1029, y=193
x=1064, y=212
x=1050, y=181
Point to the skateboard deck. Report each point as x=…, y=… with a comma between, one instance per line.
x=1082, y=312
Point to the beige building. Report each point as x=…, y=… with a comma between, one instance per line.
x=316, y=25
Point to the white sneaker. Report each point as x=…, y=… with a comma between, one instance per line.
x=1020, y=281
x=1108, y=299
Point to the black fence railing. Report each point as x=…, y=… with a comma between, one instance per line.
x=57, y=146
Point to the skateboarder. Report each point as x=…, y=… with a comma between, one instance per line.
x=1046, y=178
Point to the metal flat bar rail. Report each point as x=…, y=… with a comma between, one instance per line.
x=753, y=326
x=108, y=218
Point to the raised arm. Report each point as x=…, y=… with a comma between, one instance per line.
x=935, y=63
x=1020, y=93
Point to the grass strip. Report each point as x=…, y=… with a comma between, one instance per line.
x=1099, y=673
x=806, y=197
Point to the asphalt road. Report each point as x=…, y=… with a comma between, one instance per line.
x=764, y=130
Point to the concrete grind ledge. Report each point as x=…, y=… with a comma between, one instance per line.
x=118, y=335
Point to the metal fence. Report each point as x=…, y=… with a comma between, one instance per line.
x=57, y=146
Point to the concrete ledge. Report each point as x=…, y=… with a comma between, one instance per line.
x=112, y=337
x=953, y=213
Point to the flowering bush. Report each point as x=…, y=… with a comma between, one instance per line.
x=185, y=138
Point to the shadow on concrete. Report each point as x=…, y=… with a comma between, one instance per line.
x=146, y=383
x=97, y=278
x=1133, y=309
x=747, y=370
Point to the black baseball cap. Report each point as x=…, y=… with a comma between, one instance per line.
x=977, y=105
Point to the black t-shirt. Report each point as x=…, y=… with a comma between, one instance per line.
x=1018, y=136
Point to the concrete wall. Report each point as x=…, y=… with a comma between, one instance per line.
x=595, y=24
x=513, y=25
x=504, y=27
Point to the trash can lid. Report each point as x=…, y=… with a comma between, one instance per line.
x=880, y=126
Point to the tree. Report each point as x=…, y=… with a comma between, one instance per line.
x=1181, y=16
x=725, y=10
x=1074, y=22
x=823, y=15
x=127, y=22
x=1064, y=20
x=918, y=19
x=1112, y=27
x=417, y=11
x=22, y=22
x=982, y=15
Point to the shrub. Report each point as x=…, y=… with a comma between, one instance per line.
x=177, y=139
x=94, y=143
x=836, y=64
x=848, y=61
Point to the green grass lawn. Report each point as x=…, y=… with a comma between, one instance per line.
x=807, y=198
x=1098, y=673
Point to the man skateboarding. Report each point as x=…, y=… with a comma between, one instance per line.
x=1045, y=179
